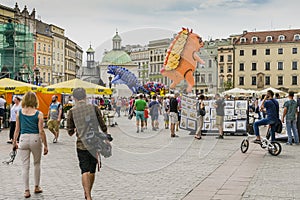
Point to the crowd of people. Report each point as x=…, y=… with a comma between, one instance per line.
x=27, y=124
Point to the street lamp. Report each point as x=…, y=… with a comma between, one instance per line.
x=109, y=79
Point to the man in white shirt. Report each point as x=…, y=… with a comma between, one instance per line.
x=2, y=110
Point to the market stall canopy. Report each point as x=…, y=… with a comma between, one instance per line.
x=237, y=91
x=67, y=87
x=17, y=87
x=264, y=91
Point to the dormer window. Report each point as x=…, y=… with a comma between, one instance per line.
x=242, y=40
x=269, y=38
x=297, y=37
x=254, y=39
x=281, y=37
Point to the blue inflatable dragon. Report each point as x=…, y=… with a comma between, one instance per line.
x=124, y=76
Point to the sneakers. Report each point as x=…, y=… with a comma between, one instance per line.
x=289, y=143
x=137, y=131
x=55, y=140
x=142, y=130
x=220, y=137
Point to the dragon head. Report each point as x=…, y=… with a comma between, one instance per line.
x=111, y=69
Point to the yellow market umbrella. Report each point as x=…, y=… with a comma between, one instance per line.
x=17, y=87
x=67, y=87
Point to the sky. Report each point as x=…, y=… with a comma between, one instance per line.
x=138, y=21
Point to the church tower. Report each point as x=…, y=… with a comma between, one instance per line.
x=117, y=42
x=90, y=57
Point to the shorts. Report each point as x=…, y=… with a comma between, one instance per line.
x=154, y=117
x=173, y=117
x=219, y=120
x=166, y=117
x=53, y=124
x=139, y=115
x=2, y=112
x=87, y=162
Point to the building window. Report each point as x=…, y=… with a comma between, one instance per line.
x=267, y=66
x=44, y=48
x=39, y=46
x=221, y=69
x=253, y=52
x=267, y=51
x=280, y=50
x=294, y=65
x=280, y=80
x=296, y=37
x=49, y=77
x=49, y=48
x=253, y=82
x=58, y=56
x=202, y=78
x=241, y=52
x=254, y=39
x=221, y=82
x=39, y=60
x=269, y=38
x=267, y=80
x=281, y=37
x=209, y=78
x=253, y=66
x=241, y=80
x=242, y=40
x=294, y=80
x=209, y=63
x=221, y=58
x=49, y=62
x=280, y=66
x=229, y=58
x=44, y=60
x=294, y=51
x=242, y=67
x=229, y=69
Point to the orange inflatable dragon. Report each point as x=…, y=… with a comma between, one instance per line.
x=181, y=59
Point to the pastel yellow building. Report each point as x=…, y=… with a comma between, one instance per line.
x=268, y=59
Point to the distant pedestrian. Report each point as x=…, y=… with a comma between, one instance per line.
x=166, y=107
x=290, y=113
x=80, y=119
x=155, y=110
x=173, y=113
x=54, y=117
x=200, y=109
x=12, y=119
x=29, y=123
x=146, y=117
x=219, y=105
x=2, y=110
x=179, y=112
x=139, y=106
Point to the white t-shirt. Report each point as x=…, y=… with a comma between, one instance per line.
x=2, y=102
x=13, y=112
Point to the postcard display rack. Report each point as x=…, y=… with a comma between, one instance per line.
x=235, y=119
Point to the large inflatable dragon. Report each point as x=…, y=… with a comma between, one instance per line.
x=181, y=58
x=124, y=76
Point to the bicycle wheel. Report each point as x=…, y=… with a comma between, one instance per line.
x=244, y=145
x=275, y=150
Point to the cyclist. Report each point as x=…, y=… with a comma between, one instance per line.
x=272, y=109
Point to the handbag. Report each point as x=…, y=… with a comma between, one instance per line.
x=278, y=128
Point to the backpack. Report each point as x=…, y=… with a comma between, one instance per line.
x=62, y=111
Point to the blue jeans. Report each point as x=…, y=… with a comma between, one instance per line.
x=291, y=126
x=265, y=121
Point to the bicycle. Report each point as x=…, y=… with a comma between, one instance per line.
x=274, y=148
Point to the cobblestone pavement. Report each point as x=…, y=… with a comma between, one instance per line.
x=152, y=165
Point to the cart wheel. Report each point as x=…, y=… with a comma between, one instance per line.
x=275, y=150
x=244, y=145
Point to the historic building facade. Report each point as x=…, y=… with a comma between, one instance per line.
x=140, y=56
x=157, y=52
x=268, y=59
x=70, y=59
